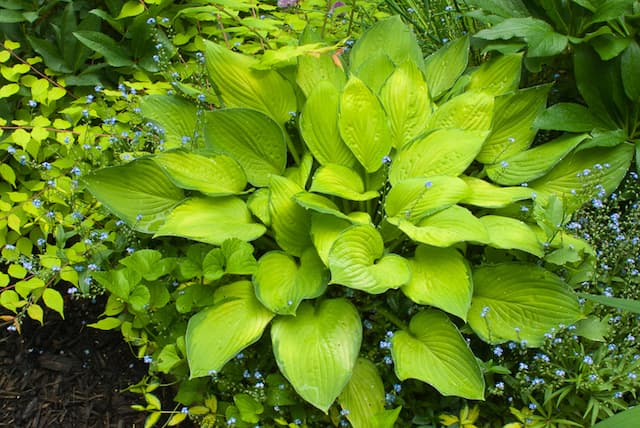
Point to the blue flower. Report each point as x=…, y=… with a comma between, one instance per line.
x=33, y=103
x=587, y=360
x=151, y=21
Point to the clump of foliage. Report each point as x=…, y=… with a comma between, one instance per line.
x=326, y=198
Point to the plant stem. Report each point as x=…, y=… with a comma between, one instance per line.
x=392, y=318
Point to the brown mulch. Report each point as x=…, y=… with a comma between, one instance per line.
x=64, y=374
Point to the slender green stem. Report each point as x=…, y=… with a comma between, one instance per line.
x=392, y=318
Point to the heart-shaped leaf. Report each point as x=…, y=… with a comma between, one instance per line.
x=175, y=115
x=212, y=220
x=440, y=277
x=251, y=138
x=416, y=198
x=363, y=125
x=139, y=192
x=487, y=195
x=317, y=349
x=363, y=396
x=216, y=334
x=290, y=221
x=445, y=228
x=442, y=152
x=214, y=175
x=357, y=260
x=319, y=127
x=434, y=351
x=510, y=234
x=240, y=85
x=405, y=98
x=281, y=283
x=338, y=180
x=471, y=111
x=518, y=301
x=533, y=163
x=325, y=228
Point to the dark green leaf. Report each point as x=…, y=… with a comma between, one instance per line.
x=114, y=54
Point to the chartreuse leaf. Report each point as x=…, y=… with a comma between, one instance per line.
x=530, y=164
x=281, y=283
x=319, y=203
x=415, y=198
x=258, y=203
x=241, y=86
x=53, y=299
x=363, y=125
x=357, y=260
x=238, y=256
x=487, y=195
x=212, y=220
x=444, y=66
x=498, y=76
x=319, y=126
x=338, y=180
x=441, y=152
x=375, y=71
x=581, y=172
x=312, y=70
x=217, y=175
x=216, y=334
x=519, y=301
x=363, y=397
x=139, y=192
x=470, y=111
x=513, y=117
x=445, y=228
x=440, y=277
x=510, y=234
x=625, y=419
x=405, y=98
x=149, y=264
x=434, y=351
x=375, y=41
x=251, y=138
x=325, y=228
x=301, y=172
x=290, y=221
x=174, y=114
x=317, y=349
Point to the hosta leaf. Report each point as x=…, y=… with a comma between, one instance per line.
x=251, y=138
x=325, y=229
x=217, y=175
x=444, y=66
x=519, y=302
x=497, y=76
x=512, y=130
x=319, y=126
x=510, y=234
x=375, y=72
x=530, y=164
x=568, y=117
x=281, y=283
x=440, y=277
x=357, y=260
x=315, y=69
x=338, y=180
x=405, y=98
x=318, y=203
x=416, y=198
x=216, y=334
x=470, y=111
x=364, y=395
x=241, y=86
x=258, y=203
x=317, y=349
x=445, y=228
x=487, y=195
x=139, y=193
x=630, y=63
x=212, y=220
x=175, y=115
x=301, y=172
x=290, y=221
x=434, y=351
x=581, y=172
x=442, y=152
x=363, y=125
x=375, y=41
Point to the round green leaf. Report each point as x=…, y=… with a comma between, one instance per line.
x=212, y=220
x=212, y=175
x=518, y=301
x=440, y=277
x=317, y=349
x=364, y=395
x=216, y=334
x=434, y=351
x=281, y=283
x=357, y=260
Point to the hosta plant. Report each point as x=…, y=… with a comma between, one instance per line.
x=384, y=178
